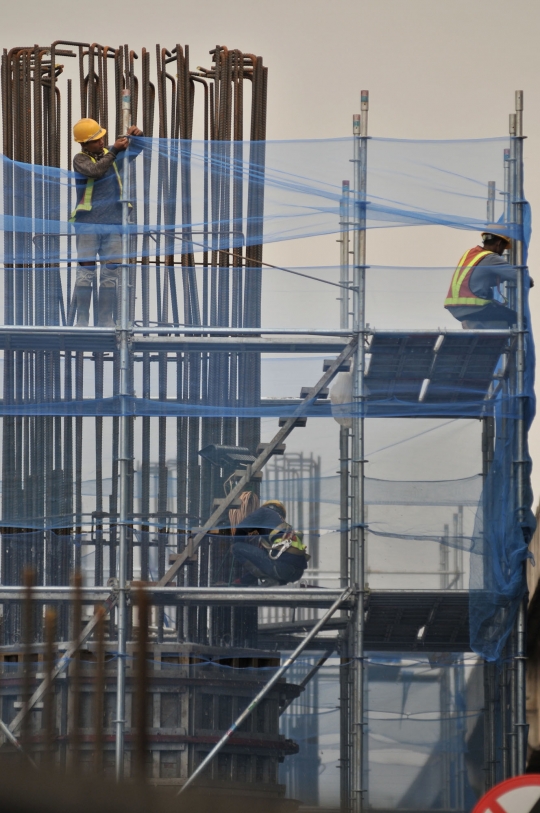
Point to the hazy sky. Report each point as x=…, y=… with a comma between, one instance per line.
x=434, y=68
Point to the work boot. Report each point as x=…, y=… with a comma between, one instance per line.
x=269, y=582
x=106, y=306
x=83, y=297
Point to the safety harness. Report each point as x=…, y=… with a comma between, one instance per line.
x=282, y=539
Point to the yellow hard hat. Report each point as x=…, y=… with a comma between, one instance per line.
x=499, y=234
x=278, y=503
x=87, y=130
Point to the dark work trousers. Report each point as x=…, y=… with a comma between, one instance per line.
x=493, y=316
x=259, y=564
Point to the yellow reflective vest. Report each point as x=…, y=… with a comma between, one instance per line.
x=282, y=539
x=85, y=203
x=460, y=292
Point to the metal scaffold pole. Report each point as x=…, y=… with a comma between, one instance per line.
x=124, y=455
x=520, y=721
x=344, y=256
x=344, y=677
x=490, y=669
x=356, y=632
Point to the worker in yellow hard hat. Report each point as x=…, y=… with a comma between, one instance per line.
x=277, y=505
x=271, y=552
x=479, y=274
x=98, y=215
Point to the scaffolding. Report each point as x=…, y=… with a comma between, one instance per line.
x=213, y=354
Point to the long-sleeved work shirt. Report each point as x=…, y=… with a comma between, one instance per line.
x=262, y=522
x=106, y=206
x=489, y=272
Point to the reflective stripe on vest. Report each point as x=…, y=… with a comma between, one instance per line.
x=85, y=203
x=460, y=292
x=282, y=539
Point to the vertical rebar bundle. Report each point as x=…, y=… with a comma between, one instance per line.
x=46, y=516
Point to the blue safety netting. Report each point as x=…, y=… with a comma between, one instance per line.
x=504, y=530
x=290, y=189
x=189, y=199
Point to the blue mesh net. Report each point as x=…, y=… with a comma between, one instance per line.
x=200, y=213
x=286, y=190
x=201, y=202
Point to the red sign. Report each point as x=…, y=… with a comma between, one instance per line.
x=521, y=794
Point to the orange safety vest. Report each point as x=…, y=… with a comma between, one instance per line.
x=459, y=292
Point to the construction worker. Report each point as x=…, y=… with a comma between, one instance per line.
x=481, y=270
x=99, y=192
x=274, y=554
x=249, y=502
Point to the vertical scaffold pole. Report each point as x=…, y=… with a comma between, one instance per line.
x=506, y=669
x=511, y=646
x=344, y=678
x=520, y=720
x=488, y=437
x=344, y=255
x=123, y=461
x=357, y=576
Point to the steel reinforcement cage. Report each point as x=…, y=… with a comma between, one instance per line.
x=212, y=354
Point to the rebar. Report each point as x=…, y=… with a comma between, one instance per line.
x=48, y=700
x=141, y=692
x=34, y=90
x=28, y=640
x=75, y=677
x=99, y=690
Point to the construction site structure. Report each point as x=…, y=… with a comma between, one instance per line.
x=191, y=694
x=223, y=727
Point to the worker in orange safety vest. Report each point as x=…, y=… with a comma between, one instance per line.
x=480, y=272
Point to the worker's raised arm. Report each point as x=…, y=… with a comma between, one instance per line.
x=134, y=143
x=83, y=164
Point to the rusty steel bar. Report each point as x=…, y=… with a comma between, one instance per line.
x=75, y=676
x=99, y=707
x=48, y=700
x=44, y=458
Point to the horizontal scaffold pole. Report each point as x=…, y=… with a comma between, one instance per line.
x=314, y=597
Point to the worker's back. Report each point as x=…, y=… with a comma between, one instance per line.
x=471, y=298
x=261, y=521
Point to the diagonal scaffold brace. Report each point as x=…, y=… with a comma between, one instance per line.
x=311, y=674
x=264, y=691
x=257, y=465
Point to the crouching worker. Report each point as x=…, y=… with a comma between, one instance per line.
x=274, y=554
x=99, y=203
x=481, y=270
